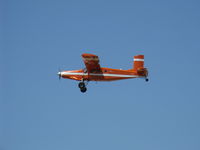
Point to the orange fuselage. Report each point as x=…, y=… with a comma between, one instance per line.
x=106, y=74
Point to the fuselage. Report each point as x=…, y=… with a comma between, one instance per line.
x=106, y=74
x=94, y=72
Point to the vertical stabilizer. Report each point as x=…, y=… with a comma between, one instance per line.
x=138, y=62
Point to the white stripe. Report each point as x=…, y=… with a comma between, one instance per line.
x=137, y=59
x=94, y=74
x=114, y=75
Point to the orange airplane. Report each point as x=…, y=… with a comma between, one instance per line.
x=94, y=72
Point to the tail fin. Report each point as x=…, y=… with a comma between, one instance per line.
x=138, y=65
x=138, y=62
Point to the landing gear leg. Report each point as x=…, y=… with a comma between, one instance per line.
x=82, y=86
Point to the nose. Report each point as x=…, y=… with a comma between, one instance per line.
x=59, y=74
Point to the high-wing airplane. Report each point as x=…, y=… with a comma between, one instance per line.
x=94, y=72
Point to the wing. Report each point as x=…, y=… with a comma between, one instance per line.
x=91, y=62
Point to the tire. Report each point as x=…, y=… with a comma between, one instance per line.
x=81, y=85
x=83, y=90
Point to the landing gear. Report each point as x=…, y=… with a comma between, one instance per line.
x=146, y=79
x=82, y=87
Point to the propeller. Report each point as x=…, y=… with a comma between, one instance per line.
x=59, y=74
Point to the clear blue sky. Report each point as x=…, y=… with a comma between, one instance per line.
x=39, y=112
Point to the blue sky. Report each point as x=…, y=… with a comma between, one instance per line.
x=40, y=112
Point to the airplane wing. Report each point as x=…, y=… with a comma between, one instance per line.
x=91, y=62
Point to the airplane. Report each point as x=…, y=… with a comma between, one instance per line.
x=94, y=72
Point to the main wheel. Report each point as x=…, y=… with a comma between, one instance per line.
x=146, y=79
x=83, y=89
x=81, y=85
